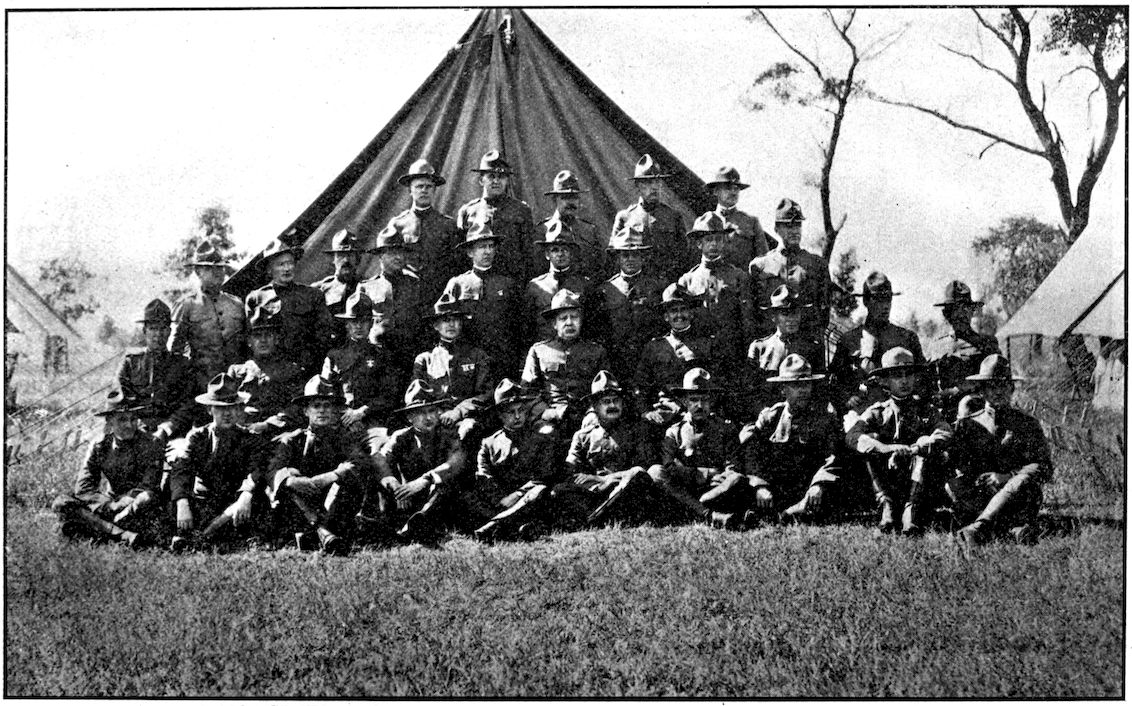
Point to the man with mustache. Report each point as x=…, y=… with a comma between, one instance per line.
x=430, y=235
x=510, y=218
x=336, y=288
x=662, y=225
x=566, y=192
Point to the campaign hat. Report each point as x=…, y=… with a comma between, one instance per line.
x=420, y=395
x=421, y=169
x=156, y=312
x=117, y=402
x=696, y=380
x=709, y=222
x=358, y=306
x=321, y=388
x=477, y=232
x=565, y=183
x=795, y=368
x=563, y=299
x=726, y=175
x=957, y=292
x=876, y=286
x=995, y=368
x=493, y=163
x=898, y=359
x=647, y=168
x=509, y=392
x=629, y=239
x=788, y=211
x=345, y=241
x=223, y=391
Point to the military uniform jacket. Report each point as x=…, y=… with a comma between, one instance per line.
x=272, y=383
x=1020, y=447
x=368, y=377
x=430, y=239
x=406, y=309
x=542, y=289
x=409, y=455
x=765, y=355
x=664, y=360
x=304, y=317
x=859, y=352
x=336, y=292
x=748, y=240
x=664, y=231
x=591, y=259
x=507, y=460
x=627, y=318
x=210, y=330
x=897, y=422
x=563, y=371
x=952, y=358
x=313, y=452
x=493, y=301
x=227, y=463
x=458, y=370
x=714, y=445
x=599, y=451
x=785, y=450
x=115, y=467
x=728, y=311
x=510, y=219
x=165, y=382
x=771, y=271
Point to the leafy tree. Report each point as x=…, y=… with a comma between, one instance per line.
x=109, y=334
x=926, y=329
x=63, y=281
x=845, y=275
x=810, y=84
x=1022, y=251
x=211, y=223
x=1097, y=37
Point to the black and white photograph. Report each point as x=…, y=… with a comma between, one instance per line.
x=564, y=352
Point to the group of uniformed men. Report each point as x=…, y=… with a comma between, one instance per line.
x=564, y=379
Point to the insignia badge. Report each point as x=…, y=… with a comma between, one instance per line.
x=371, y=363
x=468, y=367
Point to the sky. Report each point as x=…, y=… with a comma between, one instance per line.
x=121, y=125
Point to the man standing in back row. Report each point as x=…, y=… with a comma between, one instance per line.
x=662, y=225
x=510, y=219
x=748, y=240
x=592, y=260
x=807, y=274
x=430, y=236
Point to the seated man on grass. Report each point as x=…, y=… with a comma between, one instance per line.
x=117, y=487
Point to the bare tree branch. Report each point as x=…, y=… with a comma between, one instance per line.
x=791, y=47
x=961, y=126
x=1072, y=71
x=985, y=149
x=875, y=49
x=995, y=31
x=978, y=63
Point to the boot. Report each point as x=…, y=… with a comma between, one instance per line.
x=331, y=543
x=108, y=529
x=887, y=516
x=629, y=486
x=214, y=527
x=913, y=511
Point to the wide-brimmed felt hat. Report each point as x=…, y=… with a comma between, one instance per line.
x=117, y=402
x=629, y=239
x=358, y=306
x=155, y=312
x=321, y=388
x=563, y=299
x=647, y=169
x=676, y=293
x=565, y=183
x=894, y=360
x=421, y=169
x=695, y=380
x=223, y=391
x=726, y=176
x=784, y=298
x=278, y=247
x=795, y=368
x=788, y=211
x=604, y=384
x=448, y=305
x=957, y=292
x=263, y=319
x=707, y=223
x=995, y=368
x=876, y=285
x=557, y=233
x=509, y=392
x=390, y=237
x=478, y=232
x=206, y=255
x=493, y=162
x=345, y=240
x=420, y=395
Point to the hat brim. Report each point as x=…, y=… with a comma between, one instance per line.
x=417, y=406
x=993, y=378
x=701, y=233
x=813, y=377
x=360, y=251
x=619, y=391
x=303, y=399
x=406, y=179
x=740, y=184
x=792, y=220
x=204, y=263
x=207, y=399
x=787, y=308
x=465, y=315
x=468, y=243
x=167, y=322
x=651, y=176
x=874, y=294
x=548, y=313
x=690, y=390
x=521, y=399
x=968, y=302
x=508, y=171
x=348, y=317
x=910, y=367
x=565, y=192
x=634, y=248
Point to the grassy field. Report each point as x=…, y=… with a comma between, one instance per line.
x=835, y=611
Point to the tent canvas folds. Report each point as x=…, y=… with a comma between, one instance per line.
x=504, y=86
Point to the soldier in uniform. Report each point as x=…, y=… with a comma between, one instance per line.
x=1002, y=458
x=786, y=265
x=208, y=325
x=371, y=384
x=765, y=355
x=509, y=218
x=561, y=367
x=400, y=290
x=699, y=465
x=560, y=249
x=218, y=478
x=163, y=382
x=955, y=355
x=902, y=439
x=747, y=240
x=591, y=260
x=729, y=311
x=662, y=225
x=515, y=469
x=339, y=286
x=420, y=468
x=319, y=472
x=301, y=310
x=430, y=236
x=664, y=360
x=270, y=379
x=628, y=304
x=795, y=449
x=118, y=485
x=456, y=368
x=491, y=298
x=860, y=350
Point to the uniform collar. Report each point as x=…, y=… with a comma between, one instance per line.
x=481, y=271
x=726, y=211
x=647, y=208
x=560, y=273
x=713, y=265
x=494, y=200
x=421, y=211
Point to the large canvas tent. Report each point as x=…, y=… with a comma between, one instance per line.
x=504, y=86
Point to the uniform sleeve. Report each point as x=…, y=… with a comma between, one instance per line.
x=863, y=435
x=576, y=459
x=183, y=391
x=281, y=456
x=481, y=386
x=751, y=449
x=618, y=223
x=258, y=458
x=357, y=458
x=670, y=445
x=747, y=311
x=1033, y=451
x=181, y=328
x=453, y=464
x=185, y=464
x=151, y=456
x=90, y=473
x=532, y=370
x=841, y=380
x=324, y=324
